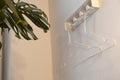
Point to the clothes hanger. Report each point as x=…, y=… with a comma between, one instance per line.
x=88, y=35
x=105, y=43
x=92, y=36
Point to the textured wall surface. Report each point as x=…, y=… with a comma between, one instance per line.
x=67, y=58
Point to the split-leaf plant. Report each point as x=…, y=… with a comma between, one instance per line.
x=12, y=18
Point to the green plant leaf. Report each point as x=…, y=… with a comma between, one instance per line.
x=11, y=17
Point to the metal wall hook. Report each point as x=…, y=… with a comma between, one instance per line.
x=89, y=6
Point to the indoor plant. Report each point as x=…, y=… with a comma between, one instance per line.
x=12, y=18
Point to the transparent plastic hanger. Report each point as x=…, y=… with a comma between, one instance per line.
x=98, y=41
x=94, y=45
x=82, y=43
x=101, y=44
x=73, y=42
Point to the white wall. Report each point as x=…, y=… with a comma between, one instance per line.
x=105, y=66
x=31, y=60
